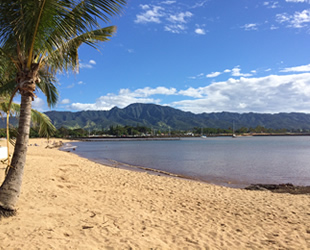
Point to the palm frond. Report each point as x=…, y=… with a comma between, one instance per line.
x=7, y=66
x=46, y=128
x=13, y=109
x=66, y=57
x=8, y=87
x=48, y=88
x=42, y=5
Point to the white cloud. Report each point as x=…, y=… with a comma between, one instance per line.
x=70, y=86
x=177, y=28
x=178, y=22
x=199, y=4
x=180, y=17
x=73, y=84
x=200, y=31
x=301, y=18
x=250, y=26
x=199, y=76
x=298, y=20
x=88, y=65
x=271, y=94
x=150, y=15
x=85, y=66
x=147, y=91
x=172, y=15
x=38, y=104
x=169, y=2
x=273, y=27
x=110, y=101
x=297, y=1
x=213, y=74
x=236, y=72
x=282, y=18
x=272, y=4
x=303, y=68
x=124, y=98
x=144, y=6
x=65, y=101
x=192, y=92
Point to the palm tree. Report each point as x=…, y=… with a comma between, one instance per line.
x=38, y=39
x=8, y=91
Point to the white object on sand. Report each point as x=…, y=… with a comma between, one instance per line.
x=3, y=153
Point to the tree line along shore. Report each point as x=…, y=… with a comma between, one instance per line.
x=144, y=131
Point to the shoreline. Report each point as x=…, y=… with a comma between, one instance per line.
x=150, y=138
x=272, y=187
x=71, y=202
x=213, y=181
x=122, y=165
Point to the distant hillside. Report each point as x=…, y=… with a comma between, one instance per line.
x=163, y=117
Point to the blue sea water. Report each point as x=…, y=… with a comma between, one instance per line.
x=235, y=162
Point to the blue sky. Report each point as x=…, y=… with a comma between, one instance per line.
x=199, y=56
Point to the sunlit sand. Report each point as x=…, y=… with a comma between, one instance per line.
x=68, y=202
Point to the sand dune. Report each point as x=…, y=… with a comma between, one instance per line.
x=68, y=202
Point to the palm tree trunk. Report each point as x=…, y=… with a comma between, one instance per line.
x=11, y=187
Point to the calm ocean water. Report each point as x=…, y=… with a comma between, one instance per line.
x=235, y=162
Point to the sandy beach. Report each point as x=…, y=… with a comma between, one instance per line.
x=68, y=202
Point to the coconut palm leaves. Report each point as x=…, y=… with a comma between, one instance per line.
x=66, y=56
x=50, y=30
x=38, y=119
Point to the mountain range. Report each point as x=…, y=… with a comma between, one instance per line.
x=164, y=117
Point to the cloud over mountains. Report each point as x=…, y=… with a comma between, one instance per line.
x=271, y=94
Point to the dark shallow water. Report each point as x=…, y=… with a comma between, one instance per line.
x=235, y=162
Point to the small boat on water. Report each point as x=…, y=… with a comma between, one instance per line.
x=202, y=135
x=68, y=146
x=233, y=133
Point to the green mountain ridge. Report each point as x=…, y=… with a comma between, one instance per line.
x=164, y=117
